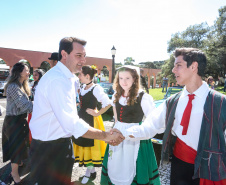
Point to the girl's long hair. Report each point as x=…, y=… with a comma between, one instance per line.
x=133, y=92
x=15, y=77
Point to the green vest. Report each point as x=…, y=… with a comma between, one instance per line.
x=210, y=162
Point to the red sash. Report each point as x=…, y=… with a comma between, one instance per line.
x=209, y=182
x=188, y=154
x=184, y=152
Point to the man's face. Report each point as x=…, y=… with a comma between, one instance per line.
x=182, y=72
x=76, y=59
x=53, y=63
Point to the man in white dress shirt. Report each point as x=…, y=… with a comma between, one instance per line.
x=197, y=149
x=55, y=120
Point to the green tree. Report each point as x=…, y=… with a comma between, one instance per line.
x=152, y=65
x=167, y=69
x=149, y=65
x=216, y=43
x=158, y=64
x=194, y=36
x=117, y=65
x=129, y=61
x=212, y=40
x=2, y=61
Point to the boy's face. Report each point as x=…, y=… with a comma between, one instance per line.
x=182, y=73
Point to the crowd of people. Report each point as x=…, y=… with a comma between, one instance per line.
x=193, y=123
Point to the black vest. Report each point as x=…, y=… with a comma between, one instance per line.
x=132, y=113
x=86, y=101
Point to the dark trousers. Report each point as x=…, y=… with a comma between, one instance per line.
x=51, y=162
x=163, y=87
x=182, y=172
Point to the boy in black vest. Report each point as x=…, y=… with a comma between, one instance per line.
x=194, y=124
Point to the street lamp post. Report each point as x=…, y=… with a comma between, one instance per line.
x=113, y=52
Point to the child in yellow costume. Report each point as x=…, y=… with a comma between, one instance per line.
x=89, y=152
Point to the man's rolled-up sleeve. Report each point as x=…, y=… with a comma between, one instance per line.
x=153, y=124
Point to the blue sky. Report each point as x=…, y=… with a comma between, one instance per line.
x=137, y=28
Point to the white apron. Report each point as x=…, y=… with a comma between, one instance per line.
x=122, y=158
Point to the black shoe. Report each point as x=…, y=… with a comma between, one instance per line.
x=80, y=178
x=91, y=178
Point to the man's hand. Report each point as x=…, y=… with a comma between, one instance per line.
x=114, y=138
x=116, y=130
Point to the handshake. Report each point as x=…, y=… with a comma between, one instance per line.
x=114, y=137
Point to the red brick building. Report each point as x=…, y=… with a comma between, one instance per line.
x=36, y=58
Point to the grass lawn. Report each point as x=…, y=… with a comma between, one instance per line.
x=157, y=93
x=220, y=89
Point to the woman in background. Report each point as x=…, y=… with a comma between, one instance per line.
x=15, y=127
x=37, y=75
x=210, y=82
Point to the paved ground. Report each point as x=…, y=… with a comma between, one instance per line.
x=5, y=168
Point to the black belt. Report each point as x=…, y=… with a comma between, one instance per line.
x=60, y=140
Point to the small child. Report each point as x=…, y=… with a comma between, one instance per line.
x=90, y=152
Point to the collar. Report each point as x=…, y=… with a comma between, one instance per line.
x=139, y=91
x=65, y=70
x=200, y=92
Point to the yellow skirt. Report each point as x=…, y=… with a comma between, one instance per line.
x=91, y=155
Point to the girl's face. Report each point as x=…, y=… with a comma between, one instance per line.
x=35, y=76
x=24, y=75
x=125, y=80
x=83, y=78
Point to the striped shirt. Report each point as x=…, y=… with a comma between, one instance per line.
x=17, y=101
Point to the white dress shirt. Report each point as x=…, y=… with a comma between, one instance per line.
x=155, y=122
x=77, y=84
x=54, y=113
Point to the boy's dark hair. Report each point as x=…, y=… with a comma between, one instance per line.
x=66, y=44
x=191, y=55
